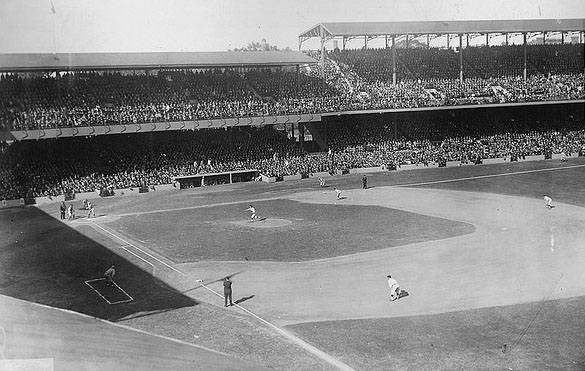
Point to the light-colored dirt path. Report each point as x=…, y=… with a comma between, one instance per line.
x=520, y=252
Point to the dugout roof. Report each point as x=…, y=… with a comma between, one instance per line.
x=349, y=29
x=137, y=61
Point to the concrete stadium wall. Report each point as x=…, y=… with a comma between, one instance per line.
x=534, y=158
x=415, y=167
x=268, y=179
x=458, y=163
x=321, y=174
x=287, y=178
x=363, y=170
x=499, y=160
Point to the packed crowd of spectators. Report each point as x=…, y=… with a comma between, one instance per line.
x=353, y=80
x=57, y=166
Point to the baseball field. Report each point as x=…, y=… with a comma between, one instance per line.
x=491, y=278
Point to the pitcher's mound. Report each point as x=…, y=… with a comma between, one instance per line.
x=264, y=223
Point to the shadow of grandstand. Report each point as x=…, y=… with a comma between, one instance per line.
x=47, y=261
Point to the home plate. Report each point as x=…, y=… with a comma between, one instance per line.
x=264, y=223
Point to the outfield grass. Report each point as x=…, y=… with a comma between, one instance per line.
x=562, y=185
x=316, y=231
x=467, y=340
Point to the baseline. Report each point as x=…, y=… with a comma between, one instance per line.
x=139, y=249
x=303, y=344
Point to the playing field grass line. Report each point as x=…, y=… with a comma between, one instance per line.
x=139, y=249
x=536, y=314
x=488, y=176
x=308, y=347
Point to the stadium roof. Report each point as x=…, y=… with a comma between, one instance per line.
x=345, y=29
x=132, y=61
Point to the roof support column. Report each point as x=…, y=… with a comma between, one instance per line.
x=507, y=41
x=322, y=34
x=543, y=37
x=298, y=79
x=448, y=41
x=524, y=70
x=394, y=60
x=487, y=39
x=386, y=39
x=365, y=42
x=460, y=58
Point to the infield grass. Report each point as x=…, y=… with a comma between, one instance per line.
x=315, y=232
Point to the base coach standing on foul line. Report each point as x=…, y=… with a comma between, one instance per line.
x=227, y=291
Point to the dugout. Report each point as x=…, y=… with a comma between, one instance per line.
x=201, y=180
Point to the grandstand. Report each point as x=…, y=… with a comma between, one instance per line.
x=223, y=108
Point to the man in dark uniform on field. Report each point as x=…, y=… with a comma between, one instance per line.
x=365, y=182
x=63, y=208
x=227, y=291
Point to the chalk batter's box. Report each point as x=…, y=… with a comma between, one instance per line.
x=111, y=294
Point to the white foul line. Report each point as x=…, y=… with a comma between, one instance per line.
x=139, y=249
x=308, y=347
x=489, y=176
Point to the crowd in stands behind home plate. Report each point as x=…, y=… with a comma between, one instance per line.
x=57, y=166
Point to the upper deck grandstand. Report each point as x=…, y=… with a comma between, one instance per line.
x=46, y=91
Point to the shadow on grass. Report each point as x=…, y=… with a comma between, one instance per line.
x=241, y=300
x=47, y=261
x=403, y=294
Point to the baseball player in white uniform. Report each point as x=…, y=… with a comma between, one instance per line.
x=394, y=288
x=548, y=202
x=252, y=209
